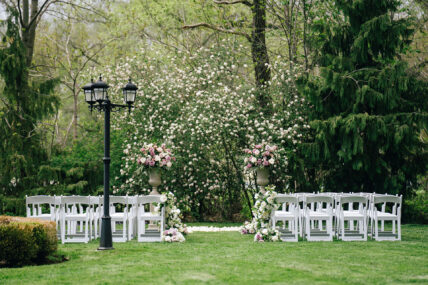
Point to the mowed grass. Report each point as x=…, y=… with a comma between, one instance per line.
x=228, y=257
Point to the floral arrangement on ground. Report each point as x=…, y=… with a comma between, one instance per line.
x=263, y=207
x=173, y=222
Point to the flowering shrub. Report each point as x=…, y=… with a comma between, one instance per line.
x=203, y=106
x=266, y=234
x=155, y=156
x=172, y=235
x=261, y=155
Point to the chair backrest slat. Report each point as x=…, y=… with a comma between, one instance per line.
x=319, y=198
x=148, y=199
x=287, y=199
x=119, y=200
x=377, y=199
x=42, y=199
x=352, y=199
x=76, y=200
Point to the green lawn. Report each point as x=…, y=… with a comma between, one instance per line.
x=228, y=257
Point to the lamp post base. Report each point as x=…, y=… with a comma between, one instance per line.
x=105, y=248
x=106, y=240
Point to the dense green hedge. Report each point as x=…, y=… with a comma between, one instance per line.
x=26, y=241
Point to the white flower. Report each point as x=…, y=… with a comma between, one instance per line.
x=253, y=159
x=264, y=231
x=275, y=238
x=271, y=161
x=157, y=158
x=163, y=198
x=168, y=164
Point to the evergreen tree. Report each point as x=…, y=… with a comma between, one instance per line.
x=24, y=103
x=368, y=112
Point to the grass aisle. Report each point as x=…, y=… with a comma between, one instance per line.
x=228, y=257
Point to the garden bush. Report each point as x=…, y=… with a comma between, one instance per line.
x=26, y=240
x=415, y=209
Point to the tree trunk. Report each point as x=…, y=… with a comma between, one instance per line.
x=259, y=50
x=29, y=27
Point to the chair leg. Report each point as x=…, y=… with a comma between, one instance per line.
x=376, y=229
x=296, y=229
x=138, y=229
x=399, y=228
x=308, y=229
x=364, y=228
x=63, y=232
x=124, y=230
x=86, y=230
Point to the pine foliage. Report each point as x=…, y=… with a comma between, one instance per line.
x=24, y=104
x=368, y=112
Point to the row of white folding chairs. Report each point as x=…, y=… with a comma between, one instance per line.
x=78, y=218
x=318, y=217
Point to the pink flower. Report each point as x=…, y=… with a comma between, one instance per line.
x=139, y=161
x=168, y=158
x=266, y=153
x=142, y=149
x=152, y=163
x=265, y=163
x=259, y=146
x=249, y=165
x=259, y=162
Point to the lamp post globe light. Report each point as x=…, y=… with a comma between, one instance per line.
x=96, y=96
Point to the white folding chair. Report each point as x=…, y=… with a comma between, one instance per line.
x=321, y=211
x=117, y=202
x=41, y=207
x=288, y=213
x=346, y=213
x=143, y=216
x=382, y=215
x=75, y=209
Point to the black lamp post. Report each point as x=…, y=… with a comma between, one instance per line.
x=96, y=96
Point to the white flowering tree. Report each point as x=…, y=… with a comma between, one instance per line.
x=204, y=108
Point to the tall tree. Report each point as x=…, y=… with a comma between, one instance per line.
x=368, y=111
x=24, y=104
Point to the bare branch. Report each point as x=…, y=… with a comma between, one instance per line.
x=216, y=28
x=245, y=2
